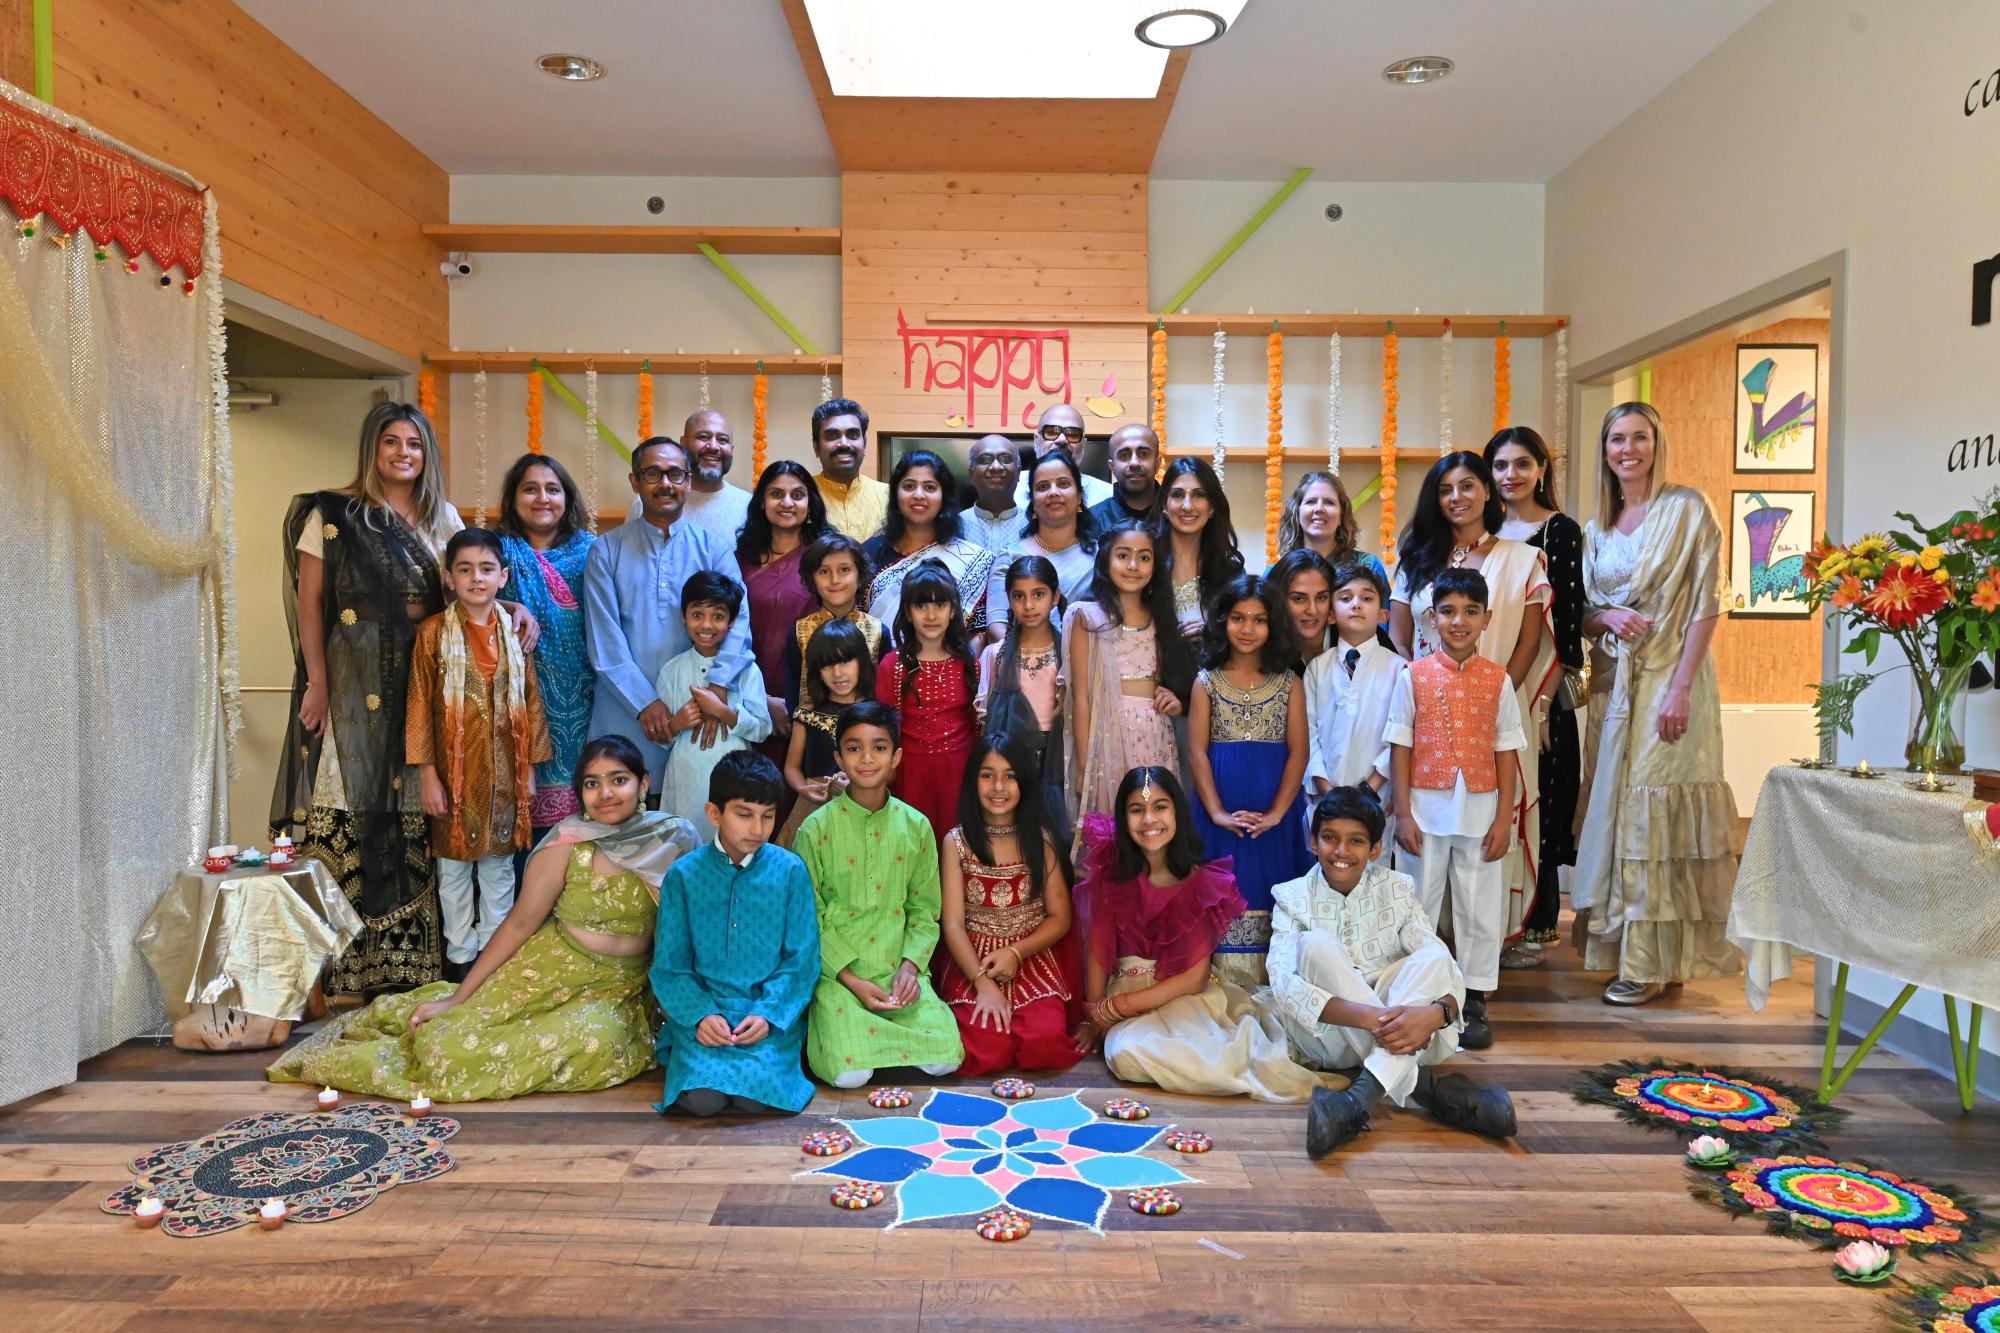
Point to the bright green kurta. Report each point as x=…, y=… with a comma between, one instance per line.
x=875, y=880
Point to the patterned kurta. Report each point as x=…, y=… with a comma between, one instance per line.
x=858, y=508
x=684, y=788
x=486, y=822
x=736, y=942
x=875, y=877
x=553, y=1018
x=1379, y=922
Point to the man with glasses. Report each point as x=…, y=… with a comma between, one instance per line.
x=632, y=606
x=1063, y=425
x=855, y=505
x=713, y=505
x=1135, y=466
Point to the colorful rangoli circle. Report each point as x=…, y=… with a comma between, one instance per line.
x=1189, y=1140
x=1154, y=1201
x=1003, y=1224
x=826, y=1143
x=857, y=1194
x=889, y=1099
x=1706, y=1100
x=1966, y=1309
x=1127, y=1108
x=1849, y=1200
x=1013, y=1089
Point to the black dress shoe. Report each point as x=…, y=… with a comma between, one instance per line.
x=455, y=972
x=1478, y=1033
x=1332, y=1119
x=1482, y=1108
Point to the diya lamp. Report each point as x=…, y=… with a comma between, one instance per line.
x=272, y=1215
x=218, y=860
x=149, y=1212
x=328, y=1099
x=420, y=1105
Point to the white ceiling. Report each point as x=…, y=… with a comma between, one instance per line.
x=707, y=87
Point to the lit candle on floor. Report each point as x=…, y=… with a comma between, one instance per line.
x=420, y=1104
x=149, y=1212
x=328, y=1099
x=272, y=1215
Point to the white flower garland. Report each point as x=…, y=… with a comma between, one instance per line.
x=701, y=401
x=225, y=484
x=1333, y=404
x=825, y=383
x=1561, y=441
x=479, y=446
x=1221, y=358
x=590, y=441
x=1444, y=392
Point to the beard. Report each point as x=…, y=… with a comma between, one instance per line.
x=711, y=471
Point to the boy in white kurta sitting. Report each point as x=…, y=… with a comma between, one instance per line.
x=1360, y=978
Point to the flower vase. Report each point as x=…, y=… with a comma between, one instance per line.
x=1937, y=721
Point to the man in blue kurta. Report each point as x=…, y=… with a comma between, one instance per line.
x=736, y=955
x=632, y=613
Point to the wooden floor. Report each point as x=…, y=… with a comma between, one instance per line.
x=594, y=1212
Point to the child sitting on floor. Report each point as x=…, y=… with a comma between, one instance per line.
x=1359, y=978
x=736, y=955
x=874, y=868
x=709, y=606
x=1454, y=725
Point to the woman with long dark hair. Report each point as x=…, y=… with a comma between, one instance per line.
x=786, y=516
x=1059, y=529
x=923, y=524
x=1200, y=553
x=1524, y=475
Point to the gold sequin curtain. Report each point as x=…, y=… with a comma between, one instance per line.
x=111, y=647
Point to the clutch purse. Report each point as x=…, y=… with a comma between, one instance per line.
x=1573, y=690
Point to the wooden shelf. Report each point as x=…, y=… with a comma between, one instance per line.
x=1357, y=326
x=629, y=363
x=540, y=240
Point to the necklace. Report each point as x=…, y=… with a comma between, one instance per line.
x=1459, y=554
x=999, y=830
x=1033, y=662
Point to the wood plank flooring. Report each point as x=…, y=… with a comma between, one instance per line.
x=568, y=1212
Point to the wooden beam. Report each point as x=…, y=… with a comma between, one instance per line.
x=496, y=238
x=629, y=363
x=1349, y=326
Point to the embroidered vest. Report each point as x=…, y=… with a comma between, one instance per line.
x=1457, y=710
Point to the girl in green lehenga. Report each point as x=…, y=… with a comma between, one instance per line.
x=558, y=1000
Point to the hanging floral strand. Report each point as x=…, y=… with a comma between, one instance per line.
x=825, y=382
x=646, y=399
x=1274, y=440
x=760, y=420
x=534, y=407
x=1561, y=441
x=1160, y=386
x=590, y=444
x=701, y=400
x=427, y=390
x=1503, y=380
x=1333, y=404
x=1221, y=359
x=1444, y=391
x=479, y=445
x=1391, y=367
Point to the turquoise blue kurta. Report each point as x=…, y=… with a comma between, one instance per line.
x=875, y=876
x=736, y=942
x=684, y=788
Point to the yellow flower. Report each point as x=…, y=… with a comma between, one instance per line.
x=347, y=615
x=1942, y=576
x=1872, y=545
x=1930, y=557
x=1834, y=565
x=1867, y=569
x=1906, y=560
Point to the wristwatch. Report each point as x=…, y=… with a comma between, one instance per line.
x=1450, y=1007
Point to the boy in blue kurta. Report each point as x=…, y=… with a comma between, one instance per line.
x=736, y=955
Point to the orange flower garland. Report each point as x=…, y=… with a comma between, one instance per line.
x=534, y=408
x=1503, y=381
x=1391, y=358
x=427, y=390
x=1274, y=441
x=646, y=399
x=760, y=400
x=1160, y=387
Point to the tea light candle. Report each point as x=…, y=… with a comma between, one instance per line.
x=272, y=1215
x=420, y=1104
x=149, y=1212
x=328, y=1099
x=1862, y=767
x=218, y=860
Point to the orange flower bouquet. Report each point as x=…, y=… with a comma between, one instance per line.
x=1935, y=593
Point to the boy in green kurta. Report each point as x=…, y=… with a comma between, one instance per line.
x=874, y=868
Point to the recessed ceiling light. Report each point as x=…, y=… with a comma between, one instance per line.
x=1418, y=69
x=577, y=69
x=1175, y=28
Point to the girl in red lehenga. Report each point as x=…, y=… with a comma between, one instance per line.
x=928, y=679
x=1006, y=919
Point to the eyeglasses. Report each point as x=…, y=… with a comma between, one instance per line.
x=1072, y=433
x=653, y=476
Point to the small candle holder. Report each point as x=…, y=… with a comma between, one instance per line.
x=1929, y=781
x=272, y=1215
x=218, y=860
x=149, y=1212
x=1862, y=770
x=328, y=1099
x=1809, y=764
x=420, y=1105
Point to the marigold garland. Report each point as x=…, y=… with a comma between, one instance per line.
x=646, y=400
x=760, y=420
x=1274, y=441
x=1391, y=367
x=534, y=407
x=1503, y=380
x=427, y=390
x=1160, y=387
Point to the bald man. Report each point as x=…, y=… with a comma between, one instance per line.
x=1135, y=466
x=1062, y=425
x=713, y=505
x=993, y=519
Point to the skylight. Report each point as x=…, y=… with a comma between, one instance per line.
x=992, y=48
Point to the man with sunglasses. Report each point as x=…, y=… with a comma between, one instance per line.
x=632, y=605
x=855, y=505
x=1062, y=426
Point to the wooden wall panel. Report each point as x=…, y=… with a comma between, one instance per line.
x=995, y=243
x=320, y=202
x=1757, y=661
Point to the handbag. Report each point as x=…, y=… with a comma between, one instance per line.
x=1573, y=690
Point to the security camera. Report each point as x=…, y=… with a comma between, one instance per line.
x=458, y=266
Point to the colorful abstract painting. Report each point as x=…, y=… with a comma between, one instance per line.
x=963, y=1154
x=1769, y=535
x=1777, y=407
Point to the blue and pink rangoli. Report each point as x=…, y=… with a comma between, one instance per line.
x=963, y=1154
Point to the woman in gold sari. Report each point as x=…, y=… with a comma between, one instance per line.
x=1654, y=871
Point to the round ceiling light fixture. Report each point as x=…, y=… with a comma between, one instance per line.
x=1419, y=69
x=1175, y=29
x=576, y=69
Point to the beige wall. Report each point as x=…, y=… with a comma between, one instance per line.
x=306, y=442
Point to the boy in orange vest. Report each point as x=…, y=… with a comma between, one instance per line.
x=1454, y=726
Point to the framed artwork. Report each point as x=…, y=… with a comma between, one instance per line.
x=1769, y=535
x=1777, y=407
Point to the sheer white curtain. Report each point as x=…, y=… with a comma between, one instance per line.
x=111, y=676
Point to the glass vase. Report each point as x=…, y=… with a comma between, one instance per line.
x=1937, y=721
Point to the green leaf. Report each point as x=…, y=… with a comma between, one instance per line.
x=1871, y=643
x=1948, y=637
x=1905, y=540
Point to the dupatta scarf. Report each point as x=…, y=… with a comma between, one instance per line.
x=550, y=584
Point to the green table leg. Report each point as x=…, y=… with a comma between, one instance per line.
x=1832, y=1033
x=1965, y=1054
x=1828, y=1089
